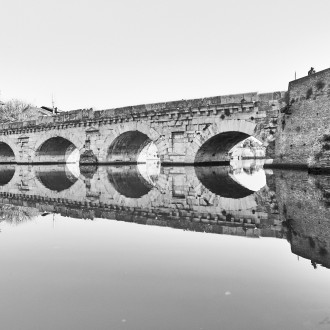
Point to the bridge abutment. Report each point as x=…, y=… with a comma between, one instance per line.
x=303, y=136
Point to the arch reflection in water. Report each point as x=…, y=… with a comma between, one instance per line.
x=127, y=146
x=128, y=180
x=6, y=174
x=59, y=177
x=218, y=180
x=150, y=171
x=57, y=150
x=249, y=173
x=232, y=182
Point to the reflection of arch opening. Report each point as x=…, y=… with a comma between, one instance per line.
x=150, y=171
x=6, y=153
x=57, y=150
x=6, y=174
x=128, y=181
x=56, y=179
x=249, y=173
x=217, y=147
x=127, y=147
x=219, y=182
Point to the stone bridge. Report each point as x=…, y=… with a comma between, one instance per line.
x=187, y=131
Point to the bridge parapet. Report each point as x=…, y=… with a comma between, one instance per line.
x=220, y=105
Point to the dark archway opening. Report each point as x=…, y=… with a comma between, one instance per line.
x=216, y=149
x=56, y=179
x=6, y=174
x=6, y=153
x=57, y=150
x=128, y=181
x=127, y=147
x=218, y=181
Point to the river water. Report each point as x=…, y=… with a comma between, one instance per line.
x=150, y=247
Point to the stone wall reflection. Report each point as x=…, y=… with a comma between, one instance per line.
x=57, y=178
x=305, y=213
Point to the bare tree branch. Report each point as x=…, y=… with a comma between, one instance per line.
x=12, y=109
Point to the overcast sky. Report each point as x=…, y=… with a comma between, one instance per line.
x=107, y=53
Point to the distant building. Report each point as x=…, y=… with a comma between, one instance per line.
x=31, y=113
x=250, y=148
x=149, y=153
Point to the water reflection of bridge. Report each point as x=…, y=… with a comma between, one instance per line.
x=207, y=199
x=203, y=197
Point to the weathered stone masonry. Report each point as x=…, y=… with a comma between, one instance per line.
x=187, y=131
x=303, y=135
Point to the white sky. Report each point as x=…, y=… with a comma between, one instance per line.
x=107, y=53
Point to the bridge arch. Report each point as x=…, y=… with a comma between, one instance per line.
x=217, y=147
x=213, y=143
x=127, y=146
x=128, y=140
x=57, y=149
x=6, y=174
x=7, y=154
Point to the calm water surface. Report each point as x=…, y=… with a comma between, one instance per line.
x=144, y=247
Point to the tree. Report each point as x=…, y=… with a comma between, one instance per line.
x=10, y=110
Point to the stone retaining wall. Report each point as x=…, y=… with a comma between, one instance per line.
x=303, y=127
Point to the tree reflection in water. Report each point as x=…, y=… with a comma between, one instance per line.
x=16, y=215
